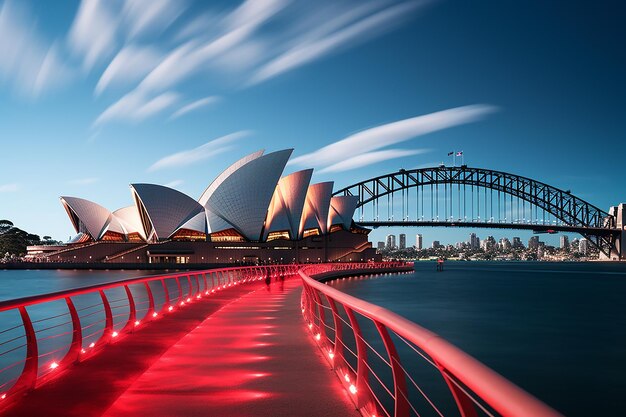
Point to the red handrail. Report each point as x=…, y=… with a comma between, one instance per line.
x=474, y=386
x=31, y=337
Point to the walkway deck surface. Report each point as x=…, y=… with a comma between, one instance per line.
x=252, y=356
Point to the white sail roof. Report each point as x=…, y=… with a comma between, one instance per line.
x=316, y=207
x=227, y=172
x=242, y=197
x=196, y=223
x=341, y=210
x=129, y=218
x=167, y=209
x=285, y=210
x=86, y=216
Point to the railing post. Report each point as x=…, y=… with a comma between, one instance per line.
x=190, y=293
x=361, y=349
x=132, y=313
x=338, y=343
x=463, y=402
x=150, y=311
x=213, y=279
x=73, y=353
x=321, y=330
x=180, y=289
x=108, y=318
x=401, y=407
x=28, y=378
x=166, y=293
x=206, y=284
x=198, y=290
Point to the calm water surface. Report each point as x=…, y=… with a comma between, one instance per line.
x=556, y=329
x=22, y=283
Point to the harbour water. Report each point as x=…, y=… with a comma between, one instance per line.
x=556, y=329
x=23, y=283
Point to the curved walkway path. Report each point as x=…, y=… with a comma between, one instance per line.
x=241, y=352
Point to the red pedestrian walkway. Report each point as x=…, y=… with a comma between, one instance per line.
x=239, y=352
x=253, y=357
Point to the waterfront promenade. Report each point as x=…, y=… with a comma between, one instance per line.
x=243, y=351
x=217, y=342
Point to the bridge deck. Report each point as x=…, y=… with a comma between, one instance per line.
x=251, y=356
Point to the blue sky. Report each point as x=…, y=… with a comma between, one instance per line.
x=95, y=95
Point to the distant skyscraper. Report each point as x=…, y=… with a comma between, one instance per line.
x=533, y=242
x=505, y=243
x=583, y=246
x=474, y=241
x=564, y=243
x=418, y=242
x=391, y=241
x=436, y=244
x=517, y=243
x=381, y=245
x=402, y=241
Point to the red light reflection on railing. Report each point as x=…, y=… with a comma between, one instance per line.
x=474, y=388
x=120, y=316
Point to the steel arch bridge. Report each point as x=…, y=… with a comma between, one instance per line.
x=476, y=197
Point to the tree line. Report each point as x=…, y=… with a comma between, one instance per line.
x=13, y=240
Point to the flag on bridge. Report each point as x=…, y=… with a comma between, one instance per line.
x=459, y=153
x=450, y=153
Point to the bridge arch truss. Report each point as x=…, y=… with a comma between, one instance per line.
x=465, y=197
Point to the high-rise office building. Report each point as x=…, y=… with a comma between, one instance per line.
x=533, y=242
x=474, y=241
x=517, y=243
x=418, y=242
x=583, y=246
x=381, y=245
x=402, y=240
x=391, y=241
x=564, y=243
x=436, y=244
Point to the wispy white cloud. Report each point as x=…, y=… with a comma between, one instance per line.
x=393, y=133
x=27, y=62
x=83, y=181
x=136, y=106
x=175, y=183
x=201, y=153
x=93, y=34
x=131, y=64
x=194, y=106
x=145, y=17
x=194, y=55
x=369, y=158
x=9, y=188
x=346, y=29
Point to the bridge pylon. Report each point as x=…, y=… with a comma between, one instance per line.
x=618, y=247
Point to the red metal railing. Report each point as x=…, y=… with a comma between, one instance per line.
x=45, y=333
x=393, y=367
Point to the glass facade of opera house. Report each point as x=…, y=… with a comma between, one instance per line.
x=249, y=213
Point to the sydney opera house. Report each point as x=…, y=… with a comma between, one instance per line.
x=249, y=213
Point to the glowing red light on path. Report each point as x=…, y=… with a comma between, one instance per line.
x=54, y=365
x=318, y=336
x=346, y=377
x=92, y=344
x=188, y=300
x=137, y=323
x=155, y=314
x=352, y=389
x=170, y=308
x=3, y=396
x=114, y=334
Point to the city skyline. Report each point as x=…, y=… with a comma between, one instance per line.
x=87, y=115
